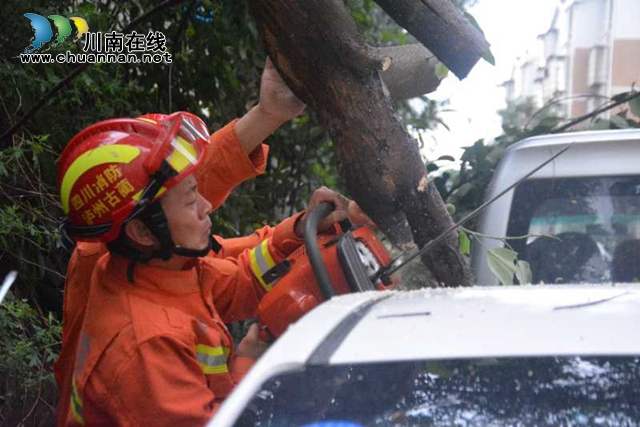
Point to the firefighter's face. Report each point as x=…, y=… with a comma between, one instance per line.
x=188, y=214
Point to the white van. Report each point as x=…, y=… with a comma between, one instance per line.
x=580, y=213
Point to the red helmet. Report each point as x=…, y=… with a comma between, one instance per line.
x=111, y=170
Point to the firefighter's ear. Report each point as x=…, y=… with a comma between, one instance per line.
x=139, y=234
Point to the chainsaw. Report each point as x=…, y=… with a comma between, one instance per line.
x=341, y=261
x=349, y=260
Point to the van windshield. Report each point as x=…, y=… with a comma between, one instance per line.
x=578, y=229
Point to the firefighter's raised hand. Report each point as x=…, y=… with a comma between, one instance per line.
x=277, y=101
x=277, y=105
x=252, y=346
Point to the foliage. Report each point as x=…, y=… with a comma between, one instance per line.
x=29, y=342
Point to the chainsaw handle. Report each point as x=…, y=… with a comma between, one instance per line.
x=314, y=218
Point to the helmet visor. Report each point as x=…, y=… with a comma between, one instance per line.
x=181, y=145
x=179, y=149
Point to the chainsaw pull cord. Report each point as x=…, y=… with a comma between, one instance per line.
x=385, y=272
x=314, y=217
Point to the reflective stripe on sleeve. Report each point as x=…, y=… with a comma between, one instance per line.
x=261, y=262
x=212, y=360
x=76, y=403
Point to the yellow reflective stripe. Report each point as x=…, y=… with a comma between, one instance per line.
x=216, y=369
x=212, y=351
x=256, y=269
x=183, y=154
x=264, y=249
x=76, y=403
x=148, y=120
x=212, y=360
x=261, y=261
x=92, y=158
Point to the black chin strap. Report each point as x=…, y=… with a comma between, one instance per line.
x=185, y=252
x=154, y=218
x=197, y=253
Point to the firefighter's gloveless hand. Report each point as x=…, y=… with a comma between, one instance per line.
x=276, y=99
x=277, y=105
x=251, y=346
x=343, y=208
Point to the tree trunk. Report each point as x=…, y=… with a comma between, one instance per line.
x=315, y=46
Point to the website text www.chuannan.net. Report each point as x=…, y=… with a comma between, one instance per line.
x=95, y=58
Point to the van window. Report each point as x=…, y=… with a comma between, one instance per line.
x=578, y=229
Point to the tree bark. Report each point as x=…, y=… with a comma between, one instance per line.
x=315, y=46
x=440, y=26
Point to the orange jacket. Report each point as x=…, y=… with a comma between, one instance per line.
x=158, y=349
x=225, y=166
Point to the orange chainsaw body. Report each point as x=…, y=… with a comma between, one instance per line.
x=297, y=292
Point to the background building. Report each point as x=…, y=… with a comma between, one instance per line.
x=590, y=53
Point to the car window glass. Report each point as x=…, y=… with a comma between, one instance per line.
x=579, y=229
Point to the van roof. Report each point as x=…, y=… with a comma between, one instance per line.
x=585, y=137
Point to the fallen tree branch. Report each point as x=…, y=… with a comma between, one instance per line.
x=442, y=28
x=411, y=70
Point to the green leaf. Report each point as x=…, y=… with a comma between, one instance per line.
x=441, y=71
x=502, y=264
x=523, y=272
x=488, y=56
x=447, y=157
x=601, y=124
x=619, y=122
x=302, y=120
x=401, y=37
x=465, y=243
x=634, y=105
x=619, y=97
x=432, y=167
x=547, y=123
x=473, y=21
x=451, y=208
x=438, y=368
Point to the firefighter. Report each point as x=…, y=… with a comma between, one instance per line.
x=235, y=153
x=153, y=341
